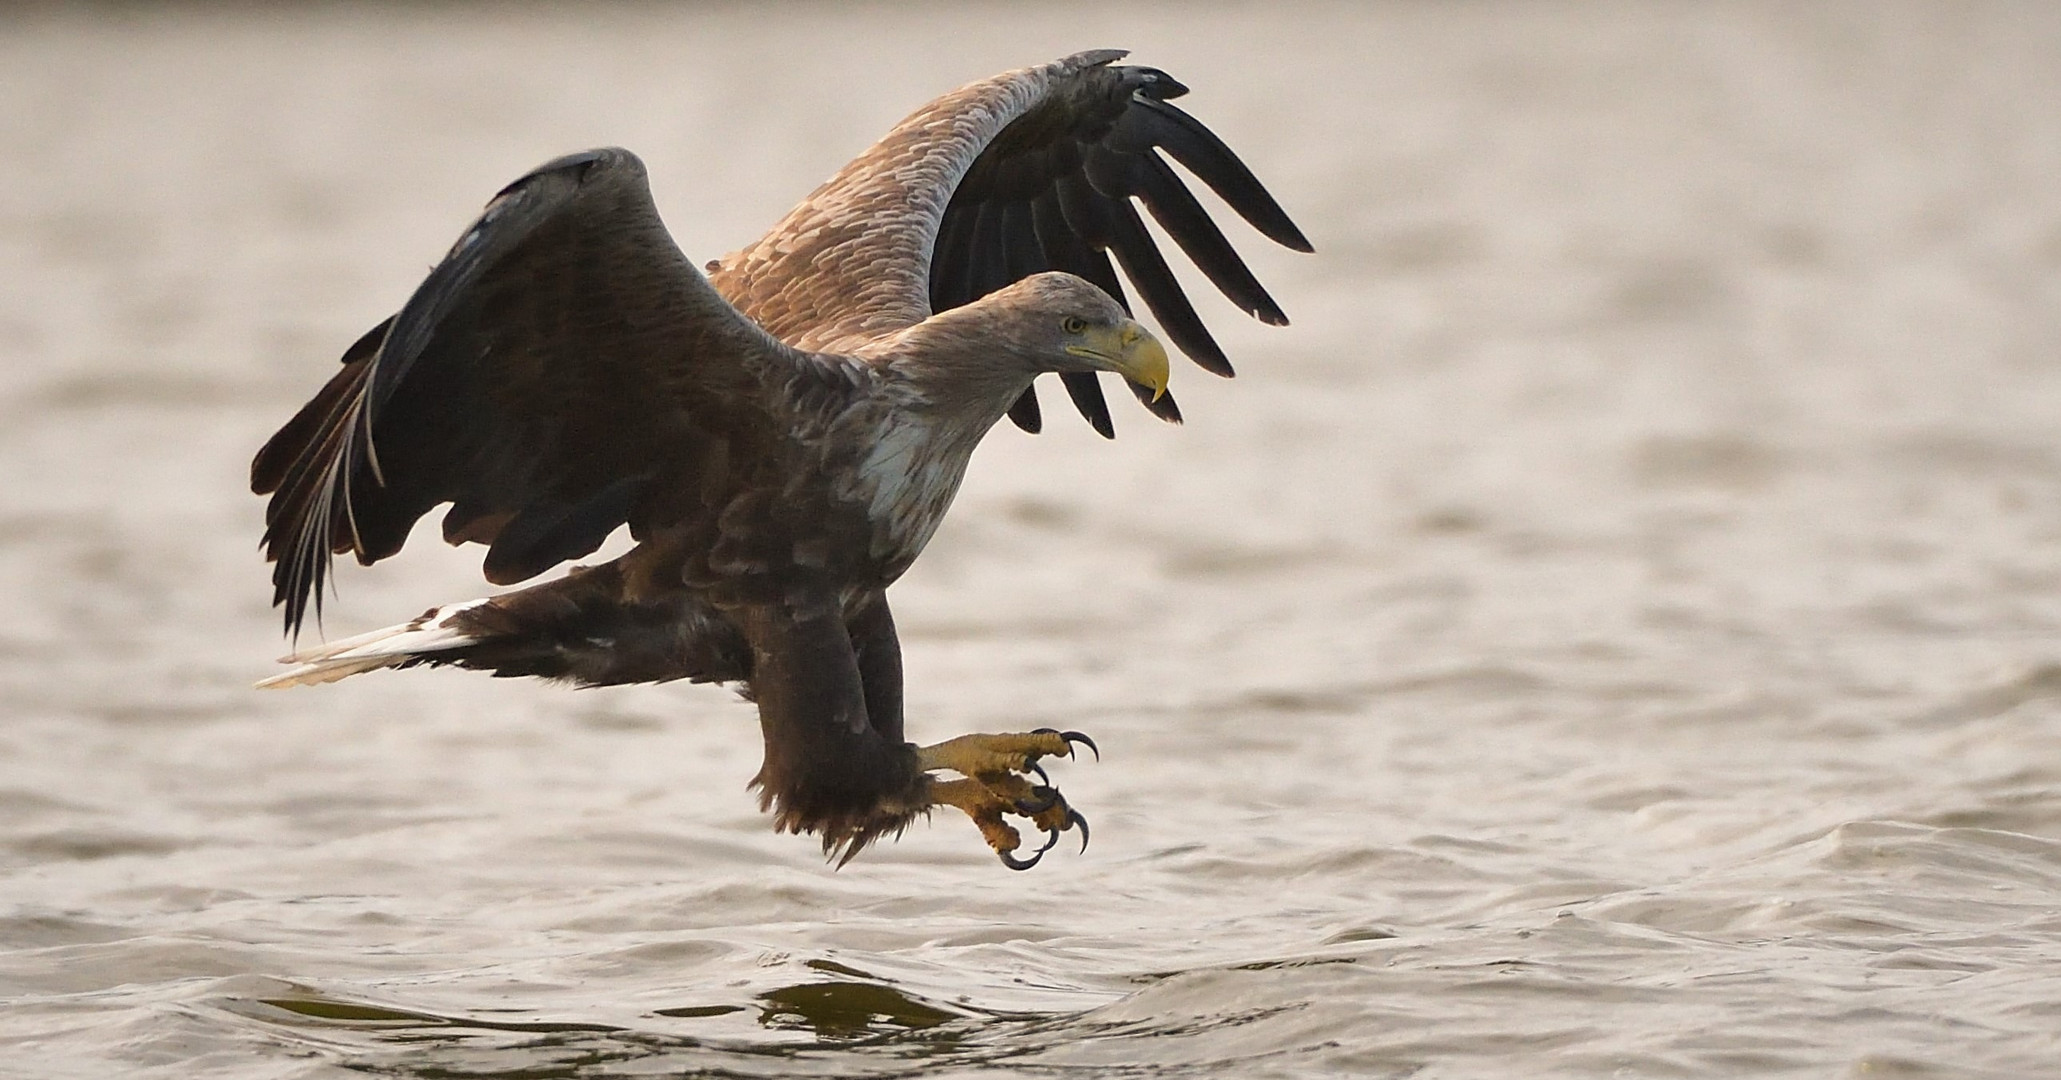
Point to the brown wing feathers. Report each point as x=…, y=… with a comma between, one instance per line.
x=540, y=380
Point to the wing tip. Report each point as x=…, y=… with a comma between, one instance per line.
x=1095, y=57
x=1161, y=405
x=1026, y=414
x=1156, y=84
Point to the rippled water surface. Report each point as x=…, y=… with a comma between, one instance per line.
x=1616, y=631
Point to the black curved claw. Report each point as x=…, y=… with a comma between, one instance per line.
x=1043, y=799
x=1072, y=737
x=1051, y=839
x=1073, y=819
x=1014, y=863
x=1039, y=771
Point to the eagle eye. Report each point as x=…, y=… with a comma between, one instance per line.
x=1074, y=324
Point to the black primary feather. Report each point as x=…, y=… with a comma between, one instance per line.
x=1055, y=190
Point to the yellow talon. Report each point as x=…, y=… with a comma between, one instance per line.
x=994, y=787
x=979, y=755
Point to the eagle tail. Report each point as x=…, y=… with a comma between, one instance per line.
x=419, y=640
x=587, y=628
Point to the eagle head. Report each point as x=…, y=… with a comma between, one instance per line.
x=1057, y=322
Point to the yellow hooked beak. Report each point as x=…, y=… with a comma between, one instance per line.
x=1129, y=350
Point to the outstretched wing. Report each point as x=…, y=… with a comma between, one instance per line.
x=565, y=370
x=1034, y=170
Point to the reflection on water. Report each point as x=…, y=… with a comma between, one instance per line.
x=849, y=1028
x=841, y=1010
x=1612, y=633
x=838, y=1018
x=379, y=1017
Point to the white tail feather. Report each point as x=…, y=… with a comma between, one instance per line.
x=427, y=633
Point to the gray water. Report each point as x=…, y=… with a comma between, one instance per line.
x=1615, y=632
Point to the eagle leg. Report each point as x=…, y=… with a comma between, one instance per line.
x=995, y=785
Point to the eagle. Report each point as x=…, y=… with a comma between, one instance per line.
x=781, y=431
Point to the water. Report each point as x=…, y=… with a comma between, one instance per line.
x=1612, y=633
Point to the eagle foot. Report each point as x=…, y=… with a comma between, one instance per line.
x=996, y=770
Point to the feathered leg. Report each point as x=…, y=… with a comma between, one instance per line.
x=827, y=770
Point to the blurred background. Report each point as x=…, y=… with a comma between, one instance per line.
x=1611, y=632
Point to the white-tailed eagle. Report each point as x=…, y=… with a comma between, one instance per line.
x=781, y=435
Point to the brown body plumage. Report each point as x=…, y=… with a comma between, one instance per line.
x=782, y=437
